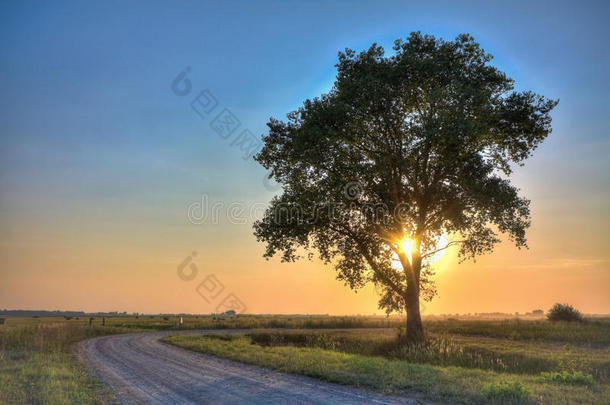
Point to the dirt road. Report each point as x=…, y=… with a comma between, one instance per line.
x=140, y=369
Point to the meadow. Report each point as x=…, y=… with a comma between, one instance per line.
x=464, y=360
x=38, y=365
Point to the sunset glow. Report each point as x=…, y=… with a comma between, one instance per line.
x=442, y=242
x=407, y=246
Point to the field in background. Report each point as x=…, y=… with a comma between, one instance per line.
x=37, y=366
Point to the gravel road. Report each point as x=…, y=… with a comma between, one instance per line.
x=140, y=369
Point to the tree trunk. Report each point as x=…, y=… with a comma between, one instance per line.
x=415, y=330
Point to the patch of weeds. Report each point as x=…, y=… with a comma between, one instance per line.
x=565, y=377
x=514, y=335
x=504, y=392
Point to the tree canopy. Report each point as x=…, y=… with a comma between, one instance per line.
x=418, y=144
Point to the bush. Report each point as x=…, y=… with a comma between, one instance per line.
x=507, y=393
x=514, y=335
x=564, y=312
x=565, y=377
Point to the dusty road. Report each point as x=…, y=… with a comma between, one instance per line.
x=140, y=369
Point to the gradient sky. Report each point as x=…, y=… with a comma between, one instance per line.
x=100, y=160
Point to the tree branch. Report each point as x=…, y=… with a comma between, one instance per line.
x=452, y=243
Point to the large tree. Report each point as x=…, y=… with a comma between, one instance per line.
x=406, y=155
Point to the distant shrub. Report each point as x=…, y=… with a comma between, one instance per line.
x=507, y=393
x=514, y=335
x=565, y=377
x=564, y=312
x=2, y=321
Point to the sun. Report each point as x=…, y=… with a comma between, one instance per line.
x=407, y=244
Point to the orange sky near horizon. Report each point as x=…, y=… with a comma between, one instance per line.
x=119, y=266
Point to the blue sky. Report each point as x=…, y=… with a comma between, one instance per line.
x=92, y=135
x=86, y=84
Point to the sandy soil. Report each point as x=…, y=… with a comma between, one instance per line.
x=140, y=369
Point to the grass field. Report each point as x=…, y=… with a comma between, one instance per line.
x=466, y=360
x=503, y=361
x=37, y=365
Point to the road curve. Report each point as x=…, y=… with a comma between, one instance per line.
x=140, y=369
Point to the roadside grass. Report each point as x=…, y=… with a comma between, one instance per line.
x=37, y=366
x=28, y=377
x=566, y=377
x=448, y=384
x=507, y=393
x=502, y=355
